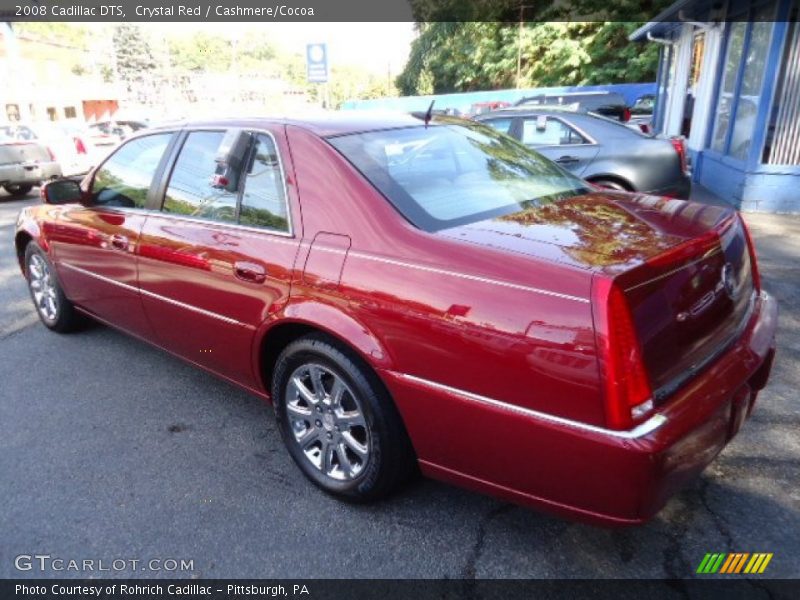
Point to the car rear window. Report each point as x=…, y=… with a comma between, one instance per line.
x=454, y=173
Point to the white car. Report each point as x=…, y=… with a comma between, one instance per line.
x=69, y=144
x=25, y=164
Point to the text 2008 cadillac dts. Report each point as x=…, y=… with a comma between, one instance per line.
x=414, y=295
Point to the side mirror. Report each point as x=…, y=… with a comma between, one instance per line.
x=61, y=191
x=541, y=123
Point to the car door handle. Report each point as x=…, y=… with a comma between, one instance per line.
x=567, y=159
x=249, y=271
x=120, y=242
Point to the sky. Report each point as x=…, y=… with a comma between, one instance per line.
x=373, y=46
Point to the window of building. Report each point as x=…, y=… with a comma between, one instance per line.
x=742, y=82
x=782, y=145
x=70, y=112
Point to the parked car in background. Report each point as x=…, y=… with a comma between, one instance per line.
x=642, y=112
x=479, y=108
x=112, y=132
x=598, y=149
x=68, y=143
x=608, y=104
x=25, y=164
x=449, y=300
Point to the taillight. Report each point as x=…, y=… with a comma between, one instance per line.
x=680, y=148
x=626, y=115
x=644, y=127
x=752, y=250
x=50, y=152
x=80, y=148
x=628, y=396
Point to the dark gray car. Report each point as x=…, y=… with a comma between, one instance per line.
x=600, y=150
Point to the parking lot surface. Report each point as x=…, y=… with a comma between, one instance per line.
x=111, y=449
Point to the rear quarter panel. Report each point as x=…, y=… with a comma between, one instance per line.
x=494, y=323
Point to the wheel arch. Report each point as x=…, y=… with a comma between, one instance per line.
x=595, y=177
x=21, y=241
x=307, y=317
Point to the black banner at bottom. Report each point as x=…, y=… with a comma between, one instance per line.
x=382, y=589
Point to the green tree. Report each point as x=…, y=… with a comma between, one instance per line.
x=133, y=56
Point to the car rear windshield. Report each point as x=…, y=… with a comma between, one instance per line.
x=453, y=173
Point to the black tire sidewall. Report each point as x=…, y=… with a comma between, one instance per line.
x=23, y=189
x=368, y=483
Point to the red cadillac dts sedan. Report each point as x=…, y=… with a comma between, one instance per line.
x=414, y=295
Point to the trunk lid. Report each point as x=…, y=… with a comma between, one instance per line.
x=684, y=268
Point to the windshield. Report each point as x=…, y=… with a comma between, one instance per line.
x=454, y=173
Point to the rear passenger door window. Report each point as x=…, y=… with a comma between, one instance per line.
x=263, y=201
x=549, y=132
x=254, y=195
x=193, y=190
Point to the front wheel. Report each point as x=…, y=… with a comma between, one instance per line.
x=55, y=310
x=338, y=422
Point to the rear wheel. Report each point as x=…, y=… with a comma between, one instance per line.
x=18, y=189
x=337, y=421
x=55, y=311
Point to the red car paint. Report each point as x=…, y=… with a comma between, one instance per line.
x=489, y=331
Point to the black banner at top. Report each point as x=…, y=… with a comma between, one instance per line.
x=331, y=10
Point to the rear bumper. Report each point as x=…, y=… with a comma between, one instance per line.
x=585, y=472
x=33, y=173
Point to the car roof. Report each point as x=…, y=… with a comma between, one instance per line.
x=323, y=124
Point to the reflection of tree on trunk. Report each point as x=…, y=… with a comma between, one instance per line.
x=608, y=235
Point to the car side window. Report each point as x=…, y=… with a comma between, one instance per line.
x=192, y=189
x=125, y=178
x=501, y=125
x=263, y=200
x=549, y=132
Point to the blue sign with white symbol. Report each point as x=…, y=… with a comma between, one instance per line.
x=317, y=63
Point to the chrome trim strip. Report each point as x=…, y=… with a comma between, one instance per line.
x=131, y=288
x=640, y=430
x=390, y=261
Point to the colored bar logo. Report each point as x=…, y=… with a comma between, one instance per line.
x=735, y=563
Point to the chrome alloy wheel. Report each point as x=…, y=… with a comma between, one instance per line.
x=43, y=287
x=327, y=422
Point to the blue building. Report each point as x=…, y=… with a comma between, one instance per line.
x=729, y=80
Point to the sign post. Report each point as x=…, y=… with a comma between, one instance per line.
x=317, y=66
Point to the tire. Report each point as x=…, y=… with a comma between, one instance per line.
x=343, y=430
x=17, y=190
x=611, y=184
x=53, y=307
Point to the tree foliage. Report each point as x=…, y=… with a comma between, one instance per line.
x=579, y=42
x=133, y=56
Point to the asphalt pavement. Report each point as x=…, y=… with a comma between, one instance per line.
x=113, y=450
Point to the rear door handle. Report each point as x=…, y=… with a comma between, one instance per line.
x=120, y=242
x=567, y=159
x=248, y=271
